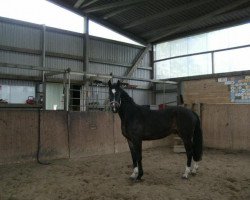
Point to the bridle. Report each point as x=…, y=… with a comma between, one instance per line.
x=112, y=103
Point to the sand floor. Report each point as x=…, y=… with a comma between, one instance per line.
x=222, y=175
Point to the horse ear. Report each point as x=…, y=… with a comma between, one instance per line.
x=118, y=83
x=109, y=83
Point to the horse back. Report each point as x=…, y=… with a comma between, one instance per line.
x=150, y=124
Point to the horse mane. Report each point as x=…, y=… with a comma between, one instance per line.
x=125, y=97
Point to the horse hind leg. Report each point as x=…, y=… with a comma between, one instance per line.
x=189, y=152
x=195, y=168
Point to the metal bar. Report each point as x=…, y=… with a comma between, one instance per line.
x=40, y=52
x=101, y=61
x=204, y=52
x=53, y=74
x=86, y=49
x=10, y=65
x=112, y=5
x=64, y=91
x=68, y=93
x=43, y=64
x=89, y=3
x=117, y=11
x=78, y=3
x=212, y=59
x=88, y=75
x=138, y=60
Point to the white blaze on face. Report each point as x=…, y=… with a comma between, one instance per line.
x=113, y=104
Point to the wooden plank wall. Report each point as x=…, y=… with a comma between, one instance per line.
x=62, y=135
x=205, y=91
x=226, y=126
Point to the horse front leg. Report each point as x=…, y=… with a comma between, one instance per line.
x=136, y=152
x=134, y=175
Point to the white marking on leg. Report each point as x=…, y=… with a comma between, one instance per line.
x=186, y=173
x=134, y=175
x=113, y=91
x=195, y=168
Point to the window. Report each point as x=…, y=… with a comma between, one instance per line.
x=192, y=56
x=16, y=91
x=232, y=60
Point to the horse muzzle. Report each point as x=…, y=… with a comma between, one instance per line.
x=114, y=105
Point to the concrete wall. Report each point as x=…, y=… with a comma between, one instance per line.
x=62, y=135
x=18, y=136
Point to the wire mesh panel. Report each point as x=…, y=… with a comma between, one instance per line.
x=91, y=97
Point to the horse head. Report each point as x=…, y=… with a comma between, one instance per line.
x=114, y=96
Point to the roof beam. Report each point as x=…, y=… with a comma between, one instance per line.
x=118, y=11
x=138, y=60
x=184, y=24
x=78, y=3
x=166, y=13
x=89, y=3
x=112, y=5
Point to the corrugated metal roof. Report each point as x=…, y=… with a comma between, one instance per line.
x=164, y=19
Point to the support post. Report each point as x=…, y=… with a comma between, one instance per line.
x=43, y=65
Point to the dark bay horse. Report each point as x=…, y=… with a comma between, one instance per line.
x=139, y=123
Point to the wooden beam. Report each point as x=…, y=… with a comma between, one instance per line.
x=138, y=60
x=112, y=5
x=165, y=13
x=78, y=3
x=184, y=24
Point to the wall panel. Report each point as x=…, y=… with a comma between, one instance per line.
x=226, y=126
x=18, y=136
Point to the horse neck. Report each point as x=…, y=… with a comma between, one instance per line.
x=127, y=104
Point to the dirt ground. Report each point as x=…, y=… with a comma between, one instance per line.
x=222, y=175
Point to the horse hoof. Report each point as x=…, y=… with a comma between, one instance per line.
x=185, y=177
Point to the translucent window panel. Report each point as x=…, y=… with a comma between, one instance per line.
x=217, y=40
x=179, y=47
x=199, y=64
x=197, y=44
x=229, y=37
x=178, y=67
x=185, y=66
x=221, y=39
x=232, y=60
x=162, y=69
x=162, y=51
x=239, y=35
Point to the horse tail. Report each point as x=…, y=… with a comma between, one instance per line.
x=197, y=140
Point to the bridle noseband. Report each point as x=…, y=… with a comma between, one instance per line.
x=115, y=103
